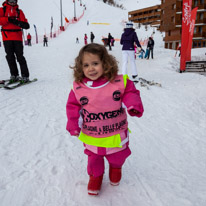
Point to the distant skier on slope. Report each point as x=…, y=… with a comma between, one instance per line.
x=45, y=41
x=110, y=37
x=85, y=39
x=29, y=39
x=92, y=37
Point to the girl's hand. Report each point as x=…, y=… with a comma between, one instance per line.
x=134, y=111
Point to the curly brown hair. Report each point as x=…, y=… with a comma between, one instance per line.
x=109, y=62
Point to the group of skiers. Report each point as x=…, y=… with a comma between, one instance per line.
x=12, y=20
x=86, y=38
x=45, y=40
x=130, y=42
x=108, y=41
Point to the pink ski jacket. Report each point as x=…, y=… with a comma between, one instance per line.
x=128, y=97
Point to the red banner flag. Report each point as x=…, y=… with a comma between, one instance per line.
x=191, y=32
x=186, y=18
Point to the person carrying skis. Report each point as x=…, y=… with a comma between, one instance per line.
x=96, y=98
x=128, y=38
x=92, y=37
x=29, y=39
x=12, y=20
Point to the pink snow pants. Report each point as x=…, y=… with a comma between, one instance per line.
x=95, y=166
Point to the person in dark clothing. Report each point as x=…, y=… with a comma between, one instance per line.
x=45, y=40
x=150, y=47
x=12, y=20
x=29, y=39
x=128, y=38
x=77, y=40
x=92, y=37
x=110, y=37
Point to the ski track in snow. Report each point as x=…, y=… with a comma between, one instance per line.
x=42, y=165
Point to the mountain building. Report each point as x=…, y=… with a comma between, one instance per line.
x=168, y=18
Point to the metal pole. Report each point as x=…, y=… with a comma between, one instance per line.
x=61, y=13
x=74, y=10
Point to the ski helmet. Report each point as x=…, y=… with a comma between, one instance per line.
x=129, y=25
x=12, y=2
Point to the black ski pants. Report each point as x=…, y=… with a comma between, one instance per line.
x=45, y=43
x=14, y=50
x=150, y=50
x=109, y=44
x=29, y=42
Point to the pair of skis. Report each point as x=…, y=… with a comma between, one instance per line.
x=146, y=83
x=7, y=85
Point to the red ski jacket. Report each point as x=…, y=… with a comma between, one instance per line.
x=28, y=36
x=9, y=31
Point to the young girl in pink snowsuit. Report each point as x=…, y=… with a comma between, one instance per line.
x=100, y=98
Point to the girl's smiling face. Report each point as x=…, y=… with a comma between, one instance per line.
x=92, y=66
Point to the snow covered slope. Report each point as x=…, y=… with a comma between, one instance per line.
x=42, y=165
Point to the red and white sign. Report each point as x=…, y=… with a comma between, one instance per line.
x=191, y=32
x=186, y=19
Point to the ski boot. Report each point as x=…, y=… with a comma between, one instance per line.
x=135, y=78
x=24, y=80
x=14, y=79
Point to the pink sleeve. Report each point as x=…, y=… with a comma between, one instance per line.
x=72, y=109
x=132, y=100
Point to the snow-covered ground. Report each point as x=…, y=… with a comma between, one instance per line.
x=42, y=165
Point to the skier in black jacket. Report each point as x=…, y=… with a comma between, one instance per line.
x=92, y=37
x=150, y=47
x=110, y=37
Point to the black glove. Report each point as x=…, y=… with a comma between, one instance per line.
x=13, y=20
x=143, y=50
x=22, y=24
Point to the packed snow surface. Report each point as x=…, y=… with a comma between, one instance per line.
x=42, y=165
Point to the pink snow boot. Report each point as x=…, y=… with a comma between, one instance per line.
x=94, y=185
x=115, y=175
